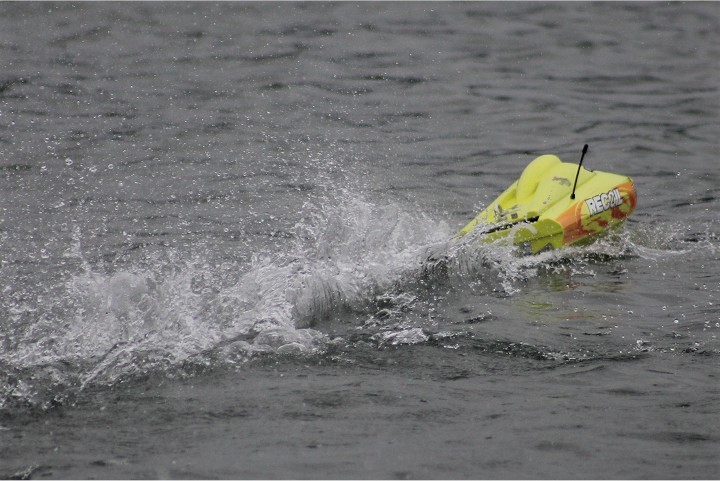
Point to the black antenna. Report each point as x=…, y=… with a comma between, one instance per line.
x=572, y=196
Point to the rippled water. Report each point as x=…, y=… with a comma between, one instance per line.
x=214, y=220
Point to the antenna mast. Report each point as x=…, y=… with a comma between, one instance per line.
x=584, y=151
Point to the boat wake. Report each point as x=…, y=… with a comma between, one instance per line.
x=95, y=327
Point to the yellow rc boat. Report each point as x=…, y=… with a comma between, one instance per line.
x=554, y=204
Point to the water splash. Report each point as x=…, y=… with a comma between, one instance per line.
x=97, y=326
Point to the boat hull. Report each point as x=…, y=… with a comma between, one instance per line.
x=539, y=212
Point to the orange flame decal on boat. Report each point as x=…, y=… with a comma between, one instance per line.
x=575, y=228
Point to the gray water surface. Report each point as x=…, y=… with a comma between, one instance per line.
x=215, y=217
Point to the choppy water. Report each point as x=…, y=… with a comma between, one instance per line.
x=214, y=218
